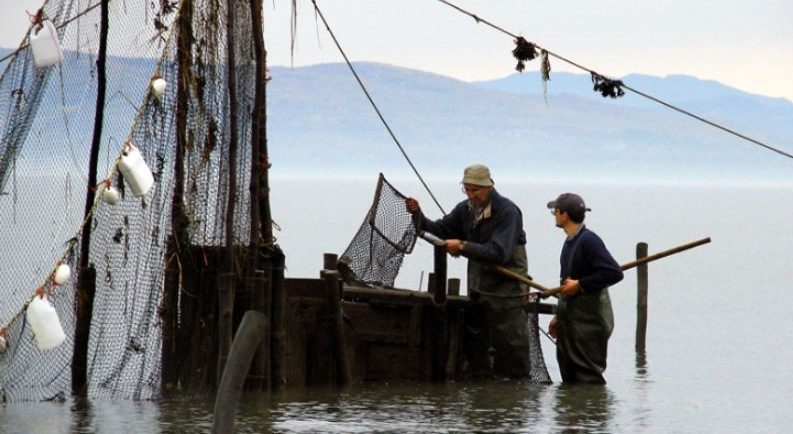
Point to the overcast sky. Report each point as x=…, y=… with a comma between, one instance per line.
x=741, y=43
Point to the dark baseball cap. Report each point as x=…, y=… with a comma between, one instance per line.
x=570, y=203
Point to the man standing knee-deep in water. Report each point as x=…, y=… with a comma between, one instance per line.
x=487, y=228
x=584, y=318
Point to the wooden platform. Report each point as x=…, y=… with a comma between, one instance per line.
x=389, y=334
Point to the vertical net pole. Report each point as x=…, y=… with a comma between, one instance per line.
x=87, y=276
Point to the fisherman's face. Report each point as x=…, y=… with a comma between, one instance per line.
x=560, y=216
x=478, y=195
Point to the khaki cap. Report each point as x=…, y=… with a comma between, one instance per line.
x=477, y=174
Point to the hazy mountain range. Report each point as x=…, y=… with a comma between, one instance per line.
x=318, y=117
x=320, y=122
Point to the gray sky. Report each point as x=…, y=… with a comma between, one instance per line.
x=741, y=43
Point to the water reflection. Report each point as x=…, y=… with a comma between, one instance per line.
x=583, y=408
x=641, y=364
x=82, y=415
x=486, y=406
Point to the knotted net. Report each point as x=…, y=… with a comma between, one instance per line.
x=385, y=236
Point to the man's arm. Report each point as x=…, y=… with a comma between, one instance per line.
x=449, y=226
x=606, y=271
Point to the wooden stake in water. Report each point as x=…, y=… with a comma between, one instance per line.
x=642, y=282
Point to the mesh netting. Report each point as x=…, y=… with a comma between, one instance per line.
x=538, y=372
x=386, y=235
x=46, y=122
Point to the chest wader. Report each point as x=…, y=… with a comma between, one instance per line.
x=497, y=335
x=584, y=324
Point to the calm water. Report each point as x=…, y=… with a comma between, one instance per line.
x=718, y=338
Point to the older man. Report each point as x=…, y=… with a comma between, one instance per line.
x=487, y=228
x=584, y=318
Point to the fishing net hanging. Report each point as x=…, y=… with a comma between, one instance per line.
x=538, y=371
x=385, y=236
x=46, y=127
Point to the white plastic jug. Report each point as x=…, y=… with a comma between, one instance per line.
x=135, y=170
x=44, y=321
x=44, y=44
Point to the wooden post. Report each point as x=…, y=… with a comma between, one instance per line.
x=226, y=286
x=339, y=344
x=431, y=283
x=641, y=299
x=456, y=331
x=86, y=290
x=278, y=344
x=250, y=333
x=329, y=261
x=454, y=286
x=440, y=316
x=86, y=285
x=439, y=291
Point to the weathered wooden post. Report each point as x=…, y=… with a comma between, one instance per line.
x=86, y=283
x=453, y=286
x=641, y=298
x=440, y=345
x=339, y=343
x=329, y=261
x=431, y=283
x=439, y=287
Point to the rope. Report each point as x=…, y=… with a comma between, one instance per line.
x=637, y=92
x=376, y=109
x=72, y=242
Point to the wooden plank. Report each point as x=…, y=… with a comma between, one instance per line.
x=414, y=343
x=382, y=338
x=396, y=296
x=456, y=330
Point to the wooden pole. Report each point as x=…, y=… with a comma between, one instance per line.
x=665, y=253
x=339, y=344
x=439, y=291
x=86, y=282
x=180, y=239
x=250, y=333
x=431, y=283
x=263, y=275
x=521, y=278
x=226, y=286
x=454, y=286
x=636, y=263
x=439, y=315
x=642, y=282
x=329, y=261
x=278, y=311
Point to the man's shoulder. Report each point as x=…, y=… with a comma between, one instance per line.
x=589, y=236
x=503, y=202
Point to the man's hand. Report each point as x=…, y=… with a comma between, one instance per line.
x=454, y=247
x=570, y=287
x=552, y=327
x=412, y=205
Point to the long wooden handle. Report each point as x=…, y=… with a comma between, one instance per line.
x=665, y=253
x=521, y=278
x=546, y=292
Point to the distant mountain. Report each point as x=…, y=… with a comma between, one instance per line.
x=320, y=122
x=703, y=97
x=318, y=117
